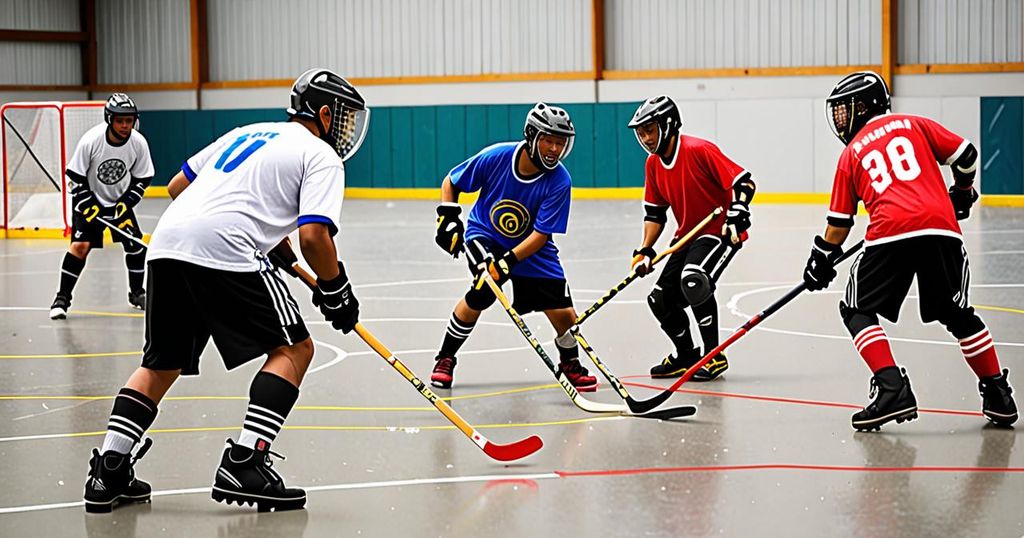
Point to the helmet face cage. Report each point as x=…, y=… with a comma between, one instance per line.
x=856, y=99
x=348, y=129
x=551, y=121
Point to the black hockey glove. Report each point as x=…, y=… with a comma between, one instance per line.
x=962, y=200
x=737, y=221
x=284, y=257
x=88, y=206
x=501, y=268
x=643, y=260
x=450, y=230
x=337, y=302
x=821, y=266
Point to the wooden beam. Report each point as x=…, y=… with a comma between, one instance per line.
x=597, y=37
x=144, y=87
x=738, y=72
x=87, y=15
x=921, y=69
x=889, y=42
x=43, y=36
x=439, y=79
x=42, y=87
x=200, y=42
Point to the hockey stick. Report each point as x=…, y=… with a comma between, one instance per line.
x=574, y=395
x=123, y=233
x=510, y=452
x=28, y=149
x=633, y=274
x=753, y=322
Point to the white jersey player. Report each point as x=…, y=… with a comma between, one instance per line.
x=108, y=174
x=210, y=277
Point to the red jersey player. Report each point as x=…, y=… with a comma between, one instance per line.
x=692, y=177
x=891, y=163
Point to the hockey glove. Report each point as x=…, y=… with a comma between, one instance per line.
x=283, y=257
x=501, y=268
x=450, y=230
x=337, y=302
x=88, y=206
x=821, y=270
x=962, y=200
x=643, y=260
x=737, y=221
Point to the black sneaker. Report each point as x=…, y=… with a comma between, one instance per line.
x=671, y=366
x=997, y=399
x=893, y=400
x=713, y=369
x=137, y=299
x=60, y=306
x=247, y=476
x=444, y=372
x=112, y=480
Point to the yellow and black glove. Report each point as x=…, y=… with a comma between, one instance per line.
x=451, y=232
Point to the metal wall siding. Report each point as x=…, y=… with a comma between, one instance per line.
x=701, y=34
x=960, y=31
x=54, y=15
x=265, y=39
x=143, y=41
x=40, y=63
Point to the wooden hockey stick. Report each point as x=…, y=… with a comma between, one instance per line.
x=126, y=235
x=574, y=395
x=633, y=274
x=509, y=452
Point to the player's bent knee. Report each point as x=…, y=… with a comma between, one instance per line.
x=962, y=322
x=696, y=286
x=856, y=320
x=80, y=249
x=480, y=299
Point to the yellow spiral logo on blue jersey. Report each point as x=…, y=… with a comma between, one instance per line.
x=510, y=218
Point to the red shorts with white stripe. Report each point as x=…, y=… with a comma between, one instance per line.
x=881, y=275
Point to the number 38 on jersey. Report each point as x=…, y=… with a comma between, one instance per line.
x=898, y=160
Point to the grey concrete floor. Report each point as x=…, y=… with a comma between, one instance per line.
x=770, y=452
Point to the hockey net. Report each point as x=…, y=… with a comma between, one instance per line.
x=39, y=139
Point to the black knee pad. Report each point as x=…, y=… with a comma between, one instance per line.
x=480, y=299
x=697, y=287
x=658, y=303
x=856, y=320
x=962, y=322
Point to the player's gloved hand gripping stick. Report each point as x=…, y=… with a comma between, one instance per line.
x=633, y=274
x=510, y=452
x=587, y=405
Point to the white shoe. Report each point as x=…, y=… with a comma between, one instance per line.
x=59, y=308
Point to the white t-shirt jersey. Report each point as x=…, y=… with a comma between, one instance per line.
x=110, y=168
x=248, y=190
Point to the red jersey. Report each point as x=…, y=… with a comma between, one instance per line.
x=699, y=179
x=893, y=166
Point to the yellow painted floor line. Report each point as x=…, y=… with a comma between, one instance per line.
x=74, y=355
x=999, y=309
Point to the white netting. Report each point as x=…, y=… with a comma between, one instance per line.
x=34, y=191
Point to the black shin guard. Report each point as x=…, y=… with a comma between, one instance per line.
x=70, y=270
x=673, y=319
x=707, y=319
x=135, y=262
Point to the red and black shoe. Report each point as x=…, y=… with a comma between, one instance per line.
x=578, y=375
x=444, y=371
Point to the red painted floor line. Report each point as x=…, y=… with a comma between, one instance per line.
x=778, y=399
x=788, y=467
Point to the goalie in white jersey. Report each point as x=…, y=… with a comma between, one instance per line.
x=209, y=276
x=108, y=173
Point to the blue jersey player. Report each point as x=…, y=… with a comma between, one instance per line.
x=524, y=199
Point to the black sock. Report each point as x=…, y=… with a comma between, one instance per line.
x=132, y=415
x=707, y=318
x=456, y=335
x=70, y=270
x=135, y=261
x=270, y=400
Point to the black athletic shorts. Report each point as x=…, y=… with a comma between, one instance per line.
x=708, y=253
x=92, y=232
x=881, y=275
x=529, y=294
x=247, y=314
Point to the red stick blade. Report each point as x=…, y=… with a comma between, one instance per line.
x=513, y=451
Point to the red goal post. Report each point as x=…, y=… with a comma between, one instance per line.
x=38, y=140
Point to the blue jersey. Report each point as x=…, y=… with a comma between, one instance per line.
x=510, y=207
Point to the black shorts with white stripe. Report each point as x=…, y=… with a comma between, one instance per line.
x=247, y=314
x=881, y=275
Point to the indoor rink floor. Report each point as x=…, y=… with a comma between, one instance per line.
x=769, y=453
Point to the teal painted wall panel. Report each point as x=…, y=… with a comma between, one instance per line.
x=1002, y=145
x=451, y=140
x=581, y=161
x=401, y=150
x=425, y=130
x=380, y=139
x=606, y=146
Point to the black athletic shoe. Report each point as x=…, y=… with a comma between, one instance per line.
x=112, y=480
x=712, y=370
x=247, y=476
x=137, y=299
x=60, y=306
x=444, y=372
x=893, y=400
x=672, y=367
x=997, y=399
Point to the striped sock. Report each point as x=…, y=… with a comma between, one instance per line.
x=873, y=347
x=456, y=335
x=133, y=414
x=70, y=270
x=980, y=353
x=270, y=400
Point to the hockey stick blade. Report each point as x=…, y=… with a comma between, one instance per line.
x=513, y=451
x=671, y=413
x=636, y=407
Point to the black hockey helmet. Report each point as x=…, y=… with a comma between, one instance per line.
x=662, y=109
x=856, y=99
x=350, y=116
x=119, y=104
x=549, y=120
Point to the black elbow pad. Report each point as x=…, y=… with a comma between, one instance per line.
x=655, y=213
x=965, y=166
